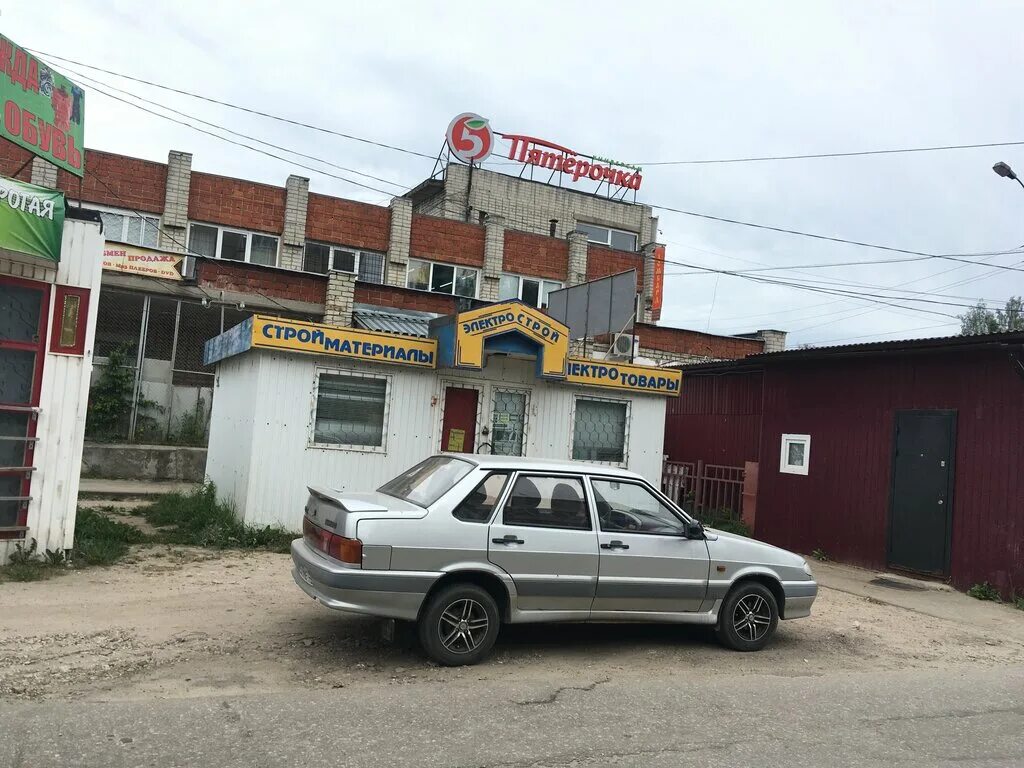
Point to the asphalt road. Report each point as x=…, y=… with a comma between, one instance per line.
x=962, y=716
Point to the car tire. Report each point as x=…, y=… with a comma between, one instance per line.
x=748, y=617
x=459, y=625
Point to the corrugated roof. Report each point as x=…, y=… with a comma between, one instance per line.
x=388, y=320
x=933, y=345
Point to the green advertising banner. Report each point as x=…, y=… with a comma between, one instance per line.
x=31, y=219
x=44, y=112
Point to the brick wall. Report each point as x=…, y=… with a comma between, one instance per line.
x=603, y=261
x=346, y=222
x=404, y=298
x=136, y=184
x=13, y=157
x=244, y=278
x=236, y=203
x=455, y=242
x=535, y=255
x=696, y=344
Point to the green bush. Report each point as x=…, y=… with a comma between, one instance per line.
x=199, y=519
x=26, y=565
x=984, y=591
x=1018, y=602
x=191, y=429
x=724, y=520
x=110, y=401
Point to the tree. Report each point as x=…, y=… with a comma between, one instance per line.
x=980, y=319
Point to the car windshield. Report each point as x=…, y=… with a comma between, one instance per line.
x=428, y=481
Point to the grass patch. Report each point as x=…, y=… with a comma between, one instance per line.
x=984, y=591
x=102, y=541
x=820, y=555
x=1018, y=602
x=199, y=519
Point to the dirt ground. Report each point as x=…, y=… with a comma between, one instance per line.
x=177, y=622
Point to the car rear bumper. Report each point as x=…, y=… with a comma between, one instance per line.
x=799, y=597
x=389, y=594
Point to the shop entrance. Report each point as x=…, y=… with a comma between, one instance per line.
x=458, y=428
x=508, y=422
x=23, y=315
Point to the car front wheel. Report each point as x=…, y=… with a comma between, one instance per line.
x=459, y=625
x=748, y=617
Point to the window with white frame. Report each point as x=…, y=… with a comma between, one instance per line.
x=442, y=278
x=130, y=227
x=616, y=238
x=232, y=244
x=599, y=430
x=351, y=410
x=368, y=266
x=531, y=290
x=796, y=454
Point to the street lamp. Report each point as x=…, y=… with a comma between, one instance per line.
x=1002, y=169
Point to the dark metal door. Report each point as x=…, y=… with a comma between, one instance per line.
x=920, y=515
x=458, y=427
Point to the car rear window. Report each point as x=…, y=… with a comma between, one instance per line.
x=428, y=481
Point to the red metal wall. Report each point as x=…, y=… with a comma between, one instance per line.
x=715, y=419
x=848, y=408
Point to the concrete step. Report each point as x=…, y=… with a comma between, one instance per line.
x=103, y=489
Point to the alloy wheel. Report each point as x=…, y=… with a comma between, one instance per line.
x=752, y=617
x=462, y=626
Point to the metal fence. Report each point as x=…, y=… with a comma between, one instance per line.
x=704, y=490
x=156, y=344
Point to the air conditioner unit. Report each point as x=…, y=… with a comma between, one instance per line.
x=624, y=346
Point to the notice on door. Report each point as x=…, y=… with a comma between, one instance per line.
x=456, y=440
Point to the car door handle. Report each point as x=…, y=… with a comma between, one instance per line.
x=615, y=545
x=509, y=538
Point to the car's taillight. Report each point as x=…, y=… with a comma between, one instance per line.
x=331, y=544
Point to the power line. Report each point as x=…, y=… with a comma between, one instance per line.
x=862, y=153
x=432, y=157
x=858, y=313
x=228, y=104
x=883, y=333
x=246, y=146
x=96, y=82
x=873, y=298
x=829, y=238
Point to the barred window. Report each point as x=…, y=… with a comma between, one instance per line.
x=371, y=267
x=351, y=410
x=599, y=430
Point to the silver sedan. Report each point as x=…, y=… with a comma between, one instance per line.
x=461, y=544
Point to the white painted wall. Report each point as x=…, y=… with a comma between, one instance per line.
x=261, y=460
x=63, y=398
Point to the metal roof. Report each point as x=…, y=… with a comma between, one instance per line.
x=407, y=322
x=938, y=344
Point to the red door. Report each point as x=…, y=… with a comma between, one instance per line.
x=23, y=313
x=459, y=425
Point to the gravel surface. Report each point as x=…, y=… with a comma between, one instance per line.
x=177, y=622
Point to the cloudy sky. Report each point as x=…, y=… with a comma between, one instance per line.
x=643, y=82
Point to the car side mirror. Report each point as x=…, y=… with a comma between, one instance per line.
x=694, y=530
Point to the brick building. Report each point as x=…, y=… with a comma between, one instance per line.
x=449, y=244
